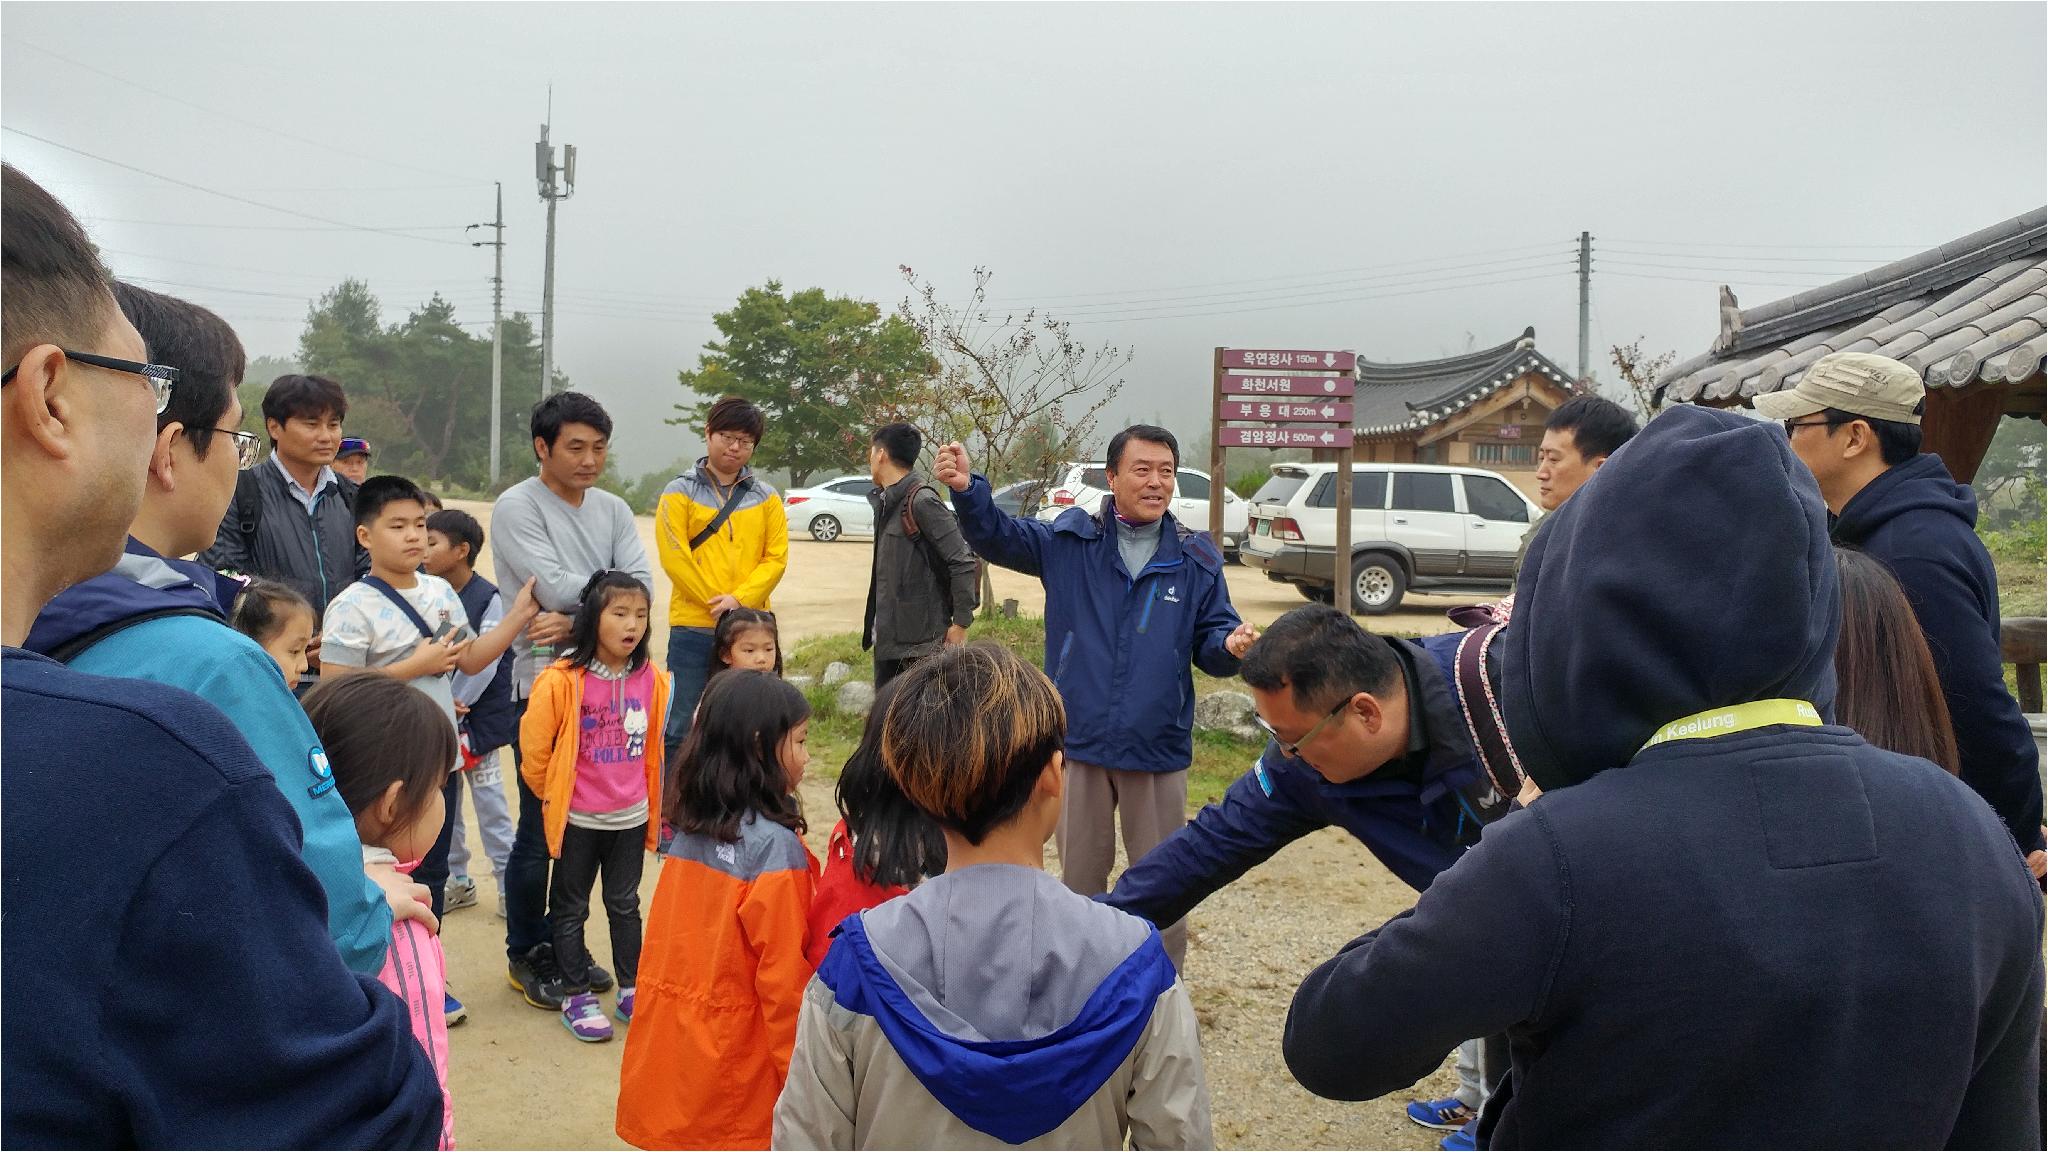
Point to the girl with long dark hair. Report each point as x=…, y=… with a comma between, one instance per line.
x=1885, y=683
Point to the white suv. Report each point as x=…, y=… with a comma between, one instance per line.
x=1086, y=484
x=1413, y=526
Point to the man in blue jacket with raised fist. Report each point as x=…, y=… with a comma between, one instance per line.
x=1132, y=599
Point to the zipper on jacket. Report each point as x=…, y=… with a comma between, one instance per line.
x=319, y=556
x=1145, y=617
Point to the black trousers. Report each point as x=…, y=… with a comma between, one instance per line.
x=433, y=869
x=586, y=855
x=526, y=872
x=887, y=670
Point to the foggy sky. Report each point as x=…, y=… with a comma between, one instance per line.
x=1403, y=180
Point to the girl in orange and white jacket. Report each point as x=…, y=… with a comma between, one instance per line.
x=590, y=748
x=725, y=972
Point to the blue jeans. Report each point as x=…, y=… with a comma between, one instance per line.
x=689, y=665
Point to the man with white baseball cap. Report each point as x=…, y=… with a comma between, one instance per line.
x=1854, y=420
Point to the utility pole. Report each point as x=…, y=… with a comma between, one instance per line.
x=497, y=329
x=1585, y=298
x=545, y=170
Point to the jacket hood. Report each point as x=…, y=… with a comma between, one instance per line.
x=142, y=582
x=1011, y=999
x=1693, y=571
x=1920, y=484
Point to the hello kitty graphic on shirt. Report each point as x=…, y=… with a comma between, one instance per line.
x=635, y=724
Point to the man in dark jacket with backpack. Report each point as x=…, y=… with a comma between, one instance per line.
x=923, y=587
x=291, y=519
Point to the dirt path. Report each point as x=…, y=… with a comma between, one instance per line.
x=520, y=1081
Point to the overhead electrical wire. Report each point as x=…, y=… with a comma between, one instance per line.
x=1272, y=279
x=228, y=195
x=243, y=120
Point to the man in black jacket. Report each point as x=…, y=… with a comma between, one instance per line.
x=923, y=587
x=1854, y=420
x=1724, y=924
x=291, y=518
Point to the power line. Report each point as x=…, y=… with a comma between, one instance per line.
x=271, y=227
x=1781, y=247
x=1343, y=300
x=1859, y=261
x=176, y=99
x=226, y=195
x=1516, y=264
x=1376, y=291
x=1727, y=279
x=1729, y=271
x=1272, y=279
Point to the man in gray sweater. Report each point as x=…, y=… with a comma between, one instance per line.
x=557, y=528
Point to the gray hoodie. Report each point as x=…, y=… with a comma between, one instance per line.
x=992, y=1008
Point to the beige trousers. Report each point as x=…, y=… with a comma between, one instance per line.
x=1152, y=805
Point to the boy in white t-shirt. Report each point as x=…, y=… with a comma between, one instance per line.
x=399, y=621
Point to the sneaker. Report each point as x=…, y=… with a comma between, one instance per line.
x=501, y=904
x=453, y=1007
x=1445, y=1115
x=1465, y=1139
x=584, y=1018
x=459, y=893
x=535, y=977
x=624, y=1010
x=600, y=980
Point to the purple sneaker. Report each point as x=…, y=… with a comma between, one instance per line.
x=624, y=1011
x=584, y=1018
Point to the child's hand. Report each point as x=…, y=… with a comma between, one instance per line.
x=524, y=606
x=430, y=658
x=409, y=901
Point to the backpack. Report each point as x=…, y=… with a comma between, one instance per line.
x=940, y=571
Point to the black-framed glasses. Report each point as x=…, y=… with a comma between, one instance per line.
x=162, y=378
x=1794, y=424
x=1293, y=751
x=248, y=449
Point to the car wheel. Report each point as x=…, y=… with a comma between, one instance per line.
x=1377, y=584
x=1320, y=593
x=825, y=529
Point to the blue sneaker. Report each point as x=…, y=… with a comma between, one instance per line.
x=1465, y=1139
x=1445, y=1115
x=456, y=1013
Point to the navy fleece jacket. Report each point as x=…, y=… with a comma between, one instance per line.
x=1773, y=938
x=169, y=978
x=1923, y=526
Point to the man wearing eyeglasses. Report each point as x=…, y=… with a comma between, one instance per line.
x=166, y=946
x=1366, y=735
x=1854, y=421
x=156, y=617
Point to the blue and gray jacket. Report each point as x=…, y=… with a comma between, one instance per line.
x=1118, y=645
x=182, y=639
x=1417, y=814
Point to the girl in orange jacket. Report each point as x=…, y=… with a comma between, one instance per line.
x=724, y=970
x=586, y=751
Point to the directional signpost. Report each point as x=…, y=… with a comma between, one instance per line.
x=1287, y=398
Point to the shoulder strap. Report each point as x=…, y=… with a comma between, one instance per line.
x=739, y=489
x=1476, y=701
x=248, y=506
x=937, y=563
x=404, y=605
x=76, y=646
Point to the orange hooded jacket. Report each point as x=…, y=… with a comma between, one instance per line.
x=548, y=741
x=721, y=980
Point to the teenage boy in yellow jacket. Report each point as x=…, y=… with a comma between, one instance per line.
x=724, y=542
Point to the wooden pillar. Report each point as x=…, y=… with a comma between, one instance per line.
x=1958, y=426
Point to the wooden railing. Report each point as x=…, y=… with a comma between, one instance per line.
x=2023, y=643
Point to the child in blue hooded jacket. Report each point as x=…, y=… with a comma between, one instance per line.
x=991, y=1005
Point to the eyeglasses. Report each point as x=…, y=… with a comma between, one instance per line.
x=248, y=448
x=162, y=378
x=1793, y=425
x=1293, y=751
x=734, y=438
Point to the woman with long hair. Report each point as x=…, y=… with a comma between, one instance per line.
x=1886, y=686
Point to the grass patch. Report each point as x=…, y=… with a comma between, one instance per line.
x=1219, y=757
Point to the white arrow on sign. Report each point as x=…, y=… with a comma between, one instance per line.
x=1329, y=359
x=1327, y=437
x=1328, y=412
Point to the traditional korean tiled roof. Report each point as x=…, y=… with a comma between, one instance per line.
x=1971, y=311
x=1395, y=398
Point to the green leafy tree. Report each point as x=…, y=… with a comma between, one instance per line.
x=419, y=390
x=824, y=370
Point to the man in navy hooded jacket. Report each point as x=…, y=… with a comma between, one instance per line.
x=168, y=977
x=1854, y=420
x=1724, y=923
x=1131, y=599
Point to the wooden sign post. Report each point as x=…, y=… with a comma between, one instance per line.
x=1286, y=398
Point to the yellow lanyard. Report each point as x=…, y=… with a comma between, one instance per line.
x=1741, y=718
